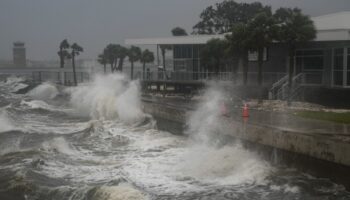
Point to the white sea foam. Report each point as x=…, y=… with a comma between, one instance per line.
x=6, y=124
x=44, y=91
x=59, y=145
x=108, y=97
x=204, y=122
x=120, y=192
x=14, y=84
x=37, y=104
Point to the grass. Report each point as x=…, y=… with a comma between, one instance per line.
x=326, y=116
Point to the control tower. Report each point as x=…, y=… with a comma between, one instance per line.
x=19, y=54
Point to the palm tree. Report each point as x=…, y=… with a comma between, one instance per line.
x=213, y=54
x=261, y=30
x=112, y=55
x=63, y=53
x=76, y=49
x=146, y=57
x=163, y=49
x=294, y=28
x=102, y=59
x=239, y=43
x=134, y=55
x=122, y=53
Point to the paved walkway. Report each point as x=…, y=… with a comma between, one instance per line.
x=279, y=120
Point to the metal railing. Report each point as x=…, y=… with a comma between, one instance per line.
x=64, y=78
x=280, y=89
x=268, y=77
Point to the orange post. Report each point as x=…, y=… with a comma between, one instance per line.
x=245, y=111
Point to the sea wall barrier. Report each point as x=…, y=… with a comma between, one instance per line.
x=320, y=155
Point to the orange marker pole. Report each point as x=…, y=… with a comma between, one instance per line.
x=245, y=111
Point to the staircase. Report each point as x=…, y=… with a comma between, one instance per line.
x=279, y=90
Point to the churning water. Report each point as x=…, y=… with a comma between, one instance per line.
x=94, y=142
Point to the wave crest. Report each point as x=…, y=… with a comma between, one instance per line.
x=108, y=97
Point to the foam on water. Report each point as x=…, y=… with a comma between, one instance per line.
x=108, y=97
x=37, y=104
x=14, y=84
x=6, y=124
x=120, y=192
x=45, y=91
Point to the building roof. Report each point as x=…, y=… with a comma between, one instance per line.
x=333, y=27
x=191, y=39
x=334, y=21
x=330, y=27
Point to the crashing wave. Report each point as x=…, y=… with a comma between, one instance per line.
x=45, y=91
x=108, y=97
x=6, y=123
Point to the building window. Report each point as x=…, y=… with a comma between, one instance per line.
x=183, y=51
x=338, y=66
x=310, y=62
x=253, y=55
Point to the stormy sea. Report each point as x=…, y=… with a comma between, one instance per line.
x=93, y=142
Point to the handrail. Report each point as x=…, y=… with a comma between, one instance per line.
x=279, y=82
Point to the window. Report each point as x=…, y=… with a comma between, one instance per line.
x=338, y=66
x=253, y=55
x=183, y=51
x=310, y=60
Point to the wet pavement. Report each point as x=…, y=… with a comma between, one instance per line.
x=285, y=121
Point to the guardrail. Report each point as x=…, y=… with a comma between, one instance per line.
x=279, y=90
x=268, y=77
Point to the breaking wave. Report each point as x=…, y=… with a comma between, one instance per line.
x=120, y=192
x=108, y=97
x=6, y=124
x=45, y=91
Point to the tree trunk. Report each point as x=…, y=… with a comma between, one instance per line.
x=244, y=61
x=143, y=70
x=112, y=66
x=290, y=74
x=163, y=58
x=61, y=58
x=260, y=65
x=104, y=68
x=132, y=71
x=120, y=64
x=260, y=73
x=115, y=65
x=74, y=74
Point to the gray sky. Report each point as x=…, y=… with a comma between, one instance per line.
x=42, y=24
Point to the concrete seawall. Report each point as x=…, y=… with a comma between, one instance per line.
x=322, y=155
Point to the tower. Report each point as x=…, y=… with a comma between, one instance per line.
x=19, y=54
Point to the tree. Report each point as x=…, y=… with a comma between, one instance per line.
x=134, y=54
x=294, y=28
x=146, y=57
x=76, y=50
x=112, y=55
x=239, y=43
x=178, y=31
x=223, y=16
x=262, y=32
x=213, y=53
x=102, y=59
x=63, y=53
x=122, y=53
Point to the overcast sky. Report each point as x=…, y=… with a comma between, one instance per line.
x=42, y=24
